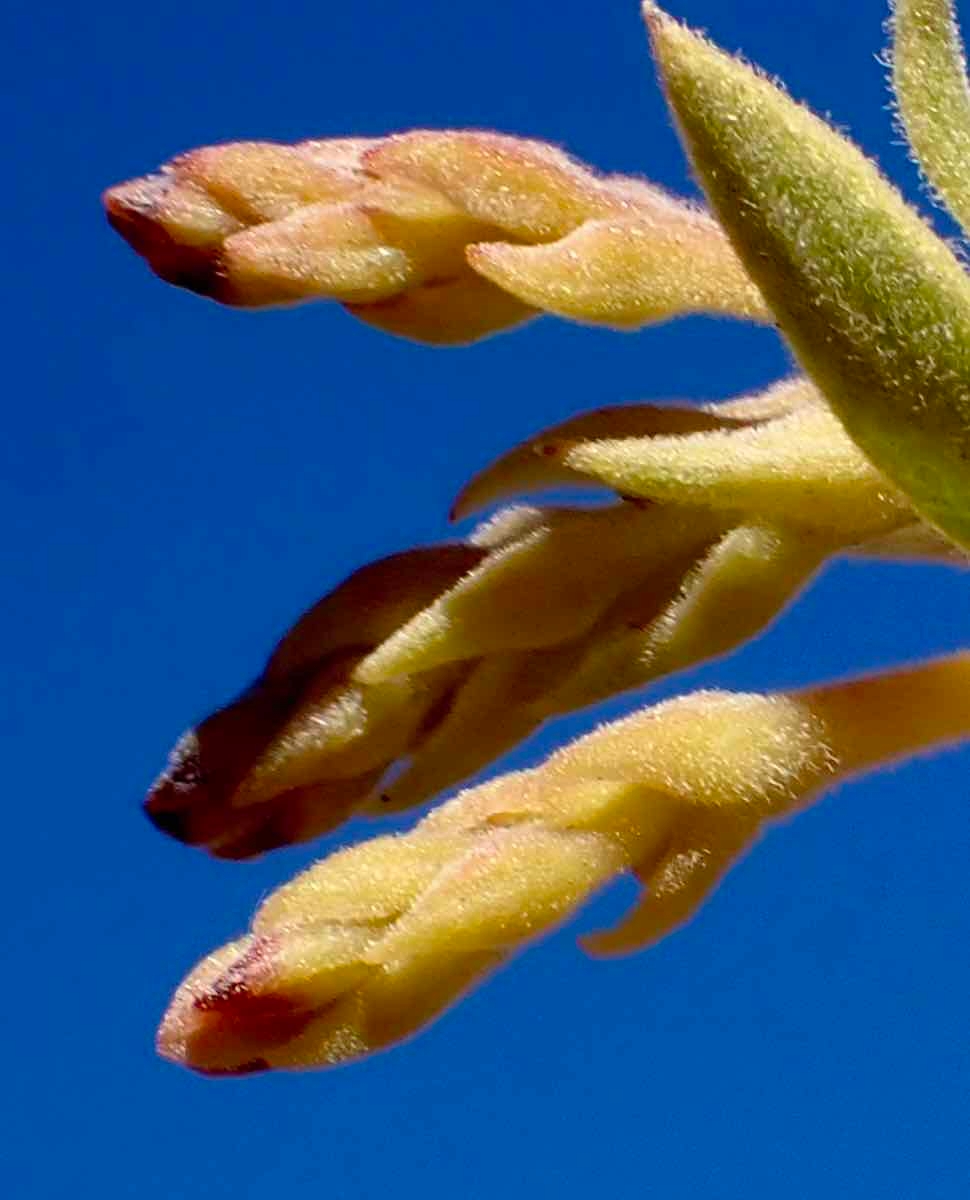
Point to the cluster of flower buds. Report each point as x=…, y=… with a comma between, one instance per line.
x=441, y=236
x=421, y=669
x=370, y=944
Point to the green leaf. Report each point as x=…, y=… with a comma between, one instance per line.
x=930, y=82
x=875, y=306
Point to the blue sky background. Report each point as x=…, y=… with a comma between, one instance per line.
x=180, y=481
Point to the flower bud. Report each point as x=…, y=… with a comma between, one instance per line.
x=367, y=946
x=442, y=236
x=424, y=668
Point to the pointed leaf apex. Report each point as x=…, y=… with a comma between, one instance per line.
x=659, y=22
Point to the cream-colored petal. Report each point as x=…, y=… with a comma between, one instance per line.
x=550, y=586
x=626, y=272
x=322, y=250
x=802, y=469
x=526, y=468
x=454, y=311
x=528, y=189
x=694, y=860
x=264, y=181
x=371, y=603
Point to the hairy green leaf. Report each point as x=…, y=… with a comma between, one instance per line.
x=930, y=81
x=876, y=307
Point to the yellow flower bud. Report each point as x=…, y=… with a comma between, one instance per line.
x=442, y=236
x=424, y=668
x=369, y=945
